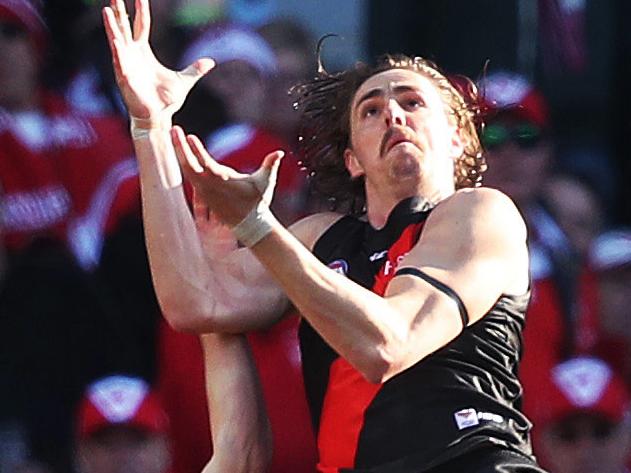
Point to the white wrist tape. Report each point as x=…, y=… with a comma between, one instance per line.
x=256, y=225
x=141, y=127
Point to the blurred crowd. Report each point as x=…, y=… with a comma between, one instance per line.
x=94, y=381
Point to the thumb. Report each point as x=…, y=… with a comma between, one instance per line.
x=197, y=70
x=271, y=162
x=265, y=177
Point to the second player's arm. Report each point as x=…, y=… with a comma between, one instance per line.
x=241, y=434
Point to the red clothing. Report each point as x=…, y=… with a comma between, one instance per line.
x=546, y=331
x=181, y=388
x=277, y=358
x=65, y=176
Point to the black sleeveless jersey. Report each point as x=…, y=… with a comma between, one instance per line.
x=462, y=397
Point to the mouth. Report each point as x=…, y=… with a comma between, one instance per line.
x=393, y=143
x=394, y=137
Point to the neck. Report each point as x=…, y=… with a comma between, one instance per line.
x=379, y=207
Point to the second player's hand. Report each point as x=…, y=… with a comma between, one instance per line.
x=151, y=91
x=216, y=238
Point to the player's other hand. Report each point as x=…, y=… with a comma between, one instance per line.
x=152, y=92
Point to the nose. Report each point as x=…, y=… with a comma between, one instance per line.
x=394, y=115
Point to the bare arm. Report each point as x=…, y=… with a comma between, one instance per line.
x=232, y=295
x=474, y=242
x=241, y=433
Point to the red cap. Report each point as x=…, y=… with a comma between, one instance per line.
x=583, y=385
x=27, y=15
x=512, y=95
x=120, y=401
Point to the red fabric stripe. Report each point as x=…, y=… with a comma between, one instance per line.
x=396, y=253
x=347, y=398
x=349, y=394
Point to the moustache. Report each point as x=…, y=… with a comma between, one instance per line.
x=400, y=134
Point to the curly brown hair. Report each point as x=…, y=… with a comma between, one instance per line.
x=325, y=101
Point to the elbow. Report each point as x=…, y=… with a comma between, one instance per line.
x=381, y=365
x=387, y=354
x=186, y=317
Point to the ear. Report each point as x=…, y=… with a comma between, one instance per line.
x=352, y=164
x=457, y=144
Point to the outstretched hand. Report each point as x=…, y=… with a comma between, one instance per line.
x=151, y=91
x=230, y=195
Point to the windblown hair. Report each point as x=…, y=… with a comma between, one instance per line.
x=325, y=103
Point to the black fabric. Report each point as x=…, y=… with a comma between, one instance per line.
x=490, y=460
x=412, y=423
x=483, y=460
x=464, y=315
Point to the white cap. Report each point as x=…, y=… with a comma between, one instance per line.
x=611, y=250
x=232, y=43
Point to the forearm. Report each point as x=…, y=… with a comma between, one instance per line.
x=179, y=271
x=359, y=324
x=241, y=434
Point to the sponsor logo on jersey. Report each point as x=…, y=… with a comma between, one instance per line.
x=390, y=267
x=470, y=417
x=339, y=266
x=466, y=418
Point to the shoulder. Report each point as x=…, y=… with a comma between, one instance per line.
x=309, y=229
x=482, y=208
x=477, y=233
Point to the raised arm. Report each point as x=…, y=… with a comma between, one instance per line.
x=474, y=242
x=233, y=297
x=241, y=434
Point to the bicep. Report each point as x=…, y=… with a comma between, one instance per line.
x=478, y=251
x=477, y=261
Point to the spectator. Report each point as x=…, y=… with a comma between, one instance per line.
x=293, y=47
x=577, y=208
x=610, y=257
x=121, y=428
x=69, y=213
x=584, y=424
x=562, y=319
x=62, y=175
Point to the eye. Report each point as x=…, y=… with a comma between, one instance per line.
x=370, y=111
x=413, y=103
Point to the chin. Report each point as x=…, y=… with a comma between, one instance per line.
x=405, y=167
